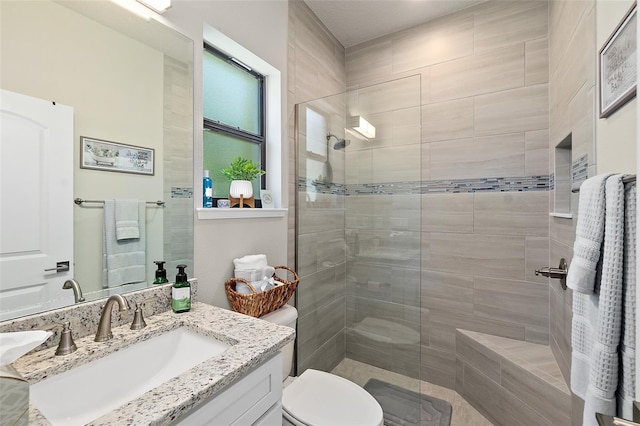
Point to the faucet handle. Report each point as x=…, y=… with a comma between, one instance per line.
x=66, y=345
x=138, y=320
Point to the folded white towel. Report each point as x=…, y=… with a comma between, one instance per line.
x=15, y=344
x=127, y=220
x=256, y=274
x=123, y=260
x=251, y=261
x=259, y=279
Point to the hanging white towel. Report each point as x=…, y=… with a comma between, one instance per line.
x=123, y=261
x=626, y=387
x=603, y=328
x=127, y=220
x=604, y=358
x=581, y=278
x=589, y=235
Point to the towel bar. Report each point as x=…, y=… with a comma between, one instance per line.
x=80, y=201
x=625, y=179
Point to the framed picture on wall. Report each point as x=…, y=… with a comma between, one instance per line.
x=618, y=66
x=109, y=156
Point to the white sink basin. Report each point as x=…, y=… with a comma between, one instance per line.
x=85, y=393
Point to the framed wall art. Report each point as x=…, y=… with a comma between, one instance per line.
x=618, y=67
x=110, y=156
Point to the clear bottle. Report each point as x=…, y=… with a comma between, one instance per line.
x=181, y=292
x=207, y=191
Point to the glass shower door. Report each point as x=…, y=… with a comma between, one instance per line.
x=382, y=226
x=320, y=233
x=359, y=240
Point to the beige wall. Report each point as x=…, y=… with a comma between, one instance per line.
x=616, y=134
x=114, y=84
x=260, y=27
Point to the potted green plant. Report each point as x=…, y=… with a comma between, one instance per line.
x=241, y=172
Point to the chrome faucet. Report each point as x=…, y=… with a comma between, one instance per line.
x=104, y=327
x=77, y=291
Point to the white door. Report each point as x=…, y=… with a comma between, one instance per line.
x=36, y=204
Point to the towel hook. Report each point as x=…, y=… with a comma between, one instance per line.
x=559, y=273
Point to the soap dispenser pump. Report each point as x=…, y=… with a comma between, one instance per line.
x=181, y=292
x=161, y=273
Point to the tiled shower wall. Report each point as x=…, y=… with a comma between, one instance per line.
x=484, y=110
x=316, y=70
x=572, y=65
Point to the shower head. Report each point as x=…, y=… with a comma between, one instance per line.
x=340, y=143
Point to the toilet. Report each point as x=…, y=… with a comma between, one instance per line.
x=318, y=398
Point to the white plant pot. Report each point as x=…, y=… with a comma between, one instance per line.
x=239, y=187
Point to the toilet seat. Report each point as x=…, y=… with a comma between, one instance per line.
x=318, y=398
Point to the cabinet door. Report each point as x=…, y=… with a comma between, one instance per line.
x=245, y=401
x=273, y=417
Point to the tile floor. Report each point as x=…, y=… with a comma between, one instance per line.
x=463, y=413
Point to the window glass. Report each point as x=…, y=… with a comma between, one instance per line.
x=219, y=151
x=316, y=137
x=231, y=94
x=233, y=106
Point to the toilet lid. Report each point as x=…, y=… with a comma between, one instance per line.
x=319, y=398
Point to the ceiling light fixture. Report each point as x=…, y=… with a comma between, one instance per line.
x=159, y=6
x=135, y=8
x=362, y=126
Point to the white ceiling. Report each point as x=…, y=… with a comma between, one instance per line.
x=356, y=21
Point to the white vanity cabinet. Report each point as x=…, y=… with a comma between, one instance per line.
x=254, y=399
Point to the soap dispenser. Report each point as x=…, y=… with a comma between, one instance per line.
x=181, y=292
x=161, y=273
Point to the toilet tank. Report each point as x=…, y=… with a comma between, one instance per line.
x=287, y=315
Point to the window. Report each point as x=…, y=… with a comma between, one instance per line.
x=234, y=117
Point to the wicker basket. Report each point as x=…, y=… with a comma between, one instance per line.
x=257, y=304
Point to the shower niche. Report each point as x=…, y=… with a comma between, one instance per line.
x=562, y=179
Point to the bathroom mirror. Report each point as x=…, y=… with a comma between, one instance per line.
x=129, y=81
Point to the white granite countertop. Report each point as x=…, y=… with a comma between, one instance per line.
x=253, y=341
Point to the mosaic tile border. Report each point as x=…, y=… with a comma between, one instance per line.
x=579, y=171
x=178, y=192
x=493, y=184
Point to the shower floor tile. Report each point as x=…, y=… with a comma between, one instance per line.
x=463, y=413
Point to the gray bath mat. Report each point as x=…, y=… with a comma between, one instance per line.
x=403, y=407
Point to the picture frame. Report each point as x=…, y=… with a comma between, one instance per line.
x=617, y=65
x=99, y=154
